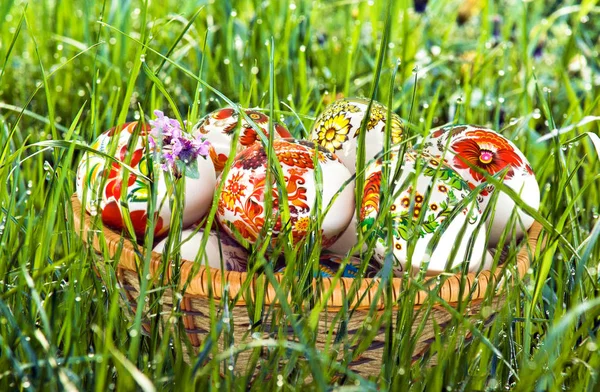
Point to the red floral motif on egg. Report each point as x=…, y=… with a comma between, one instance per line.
x=370, y=201
x=257, y=117
x=293, y=155
x=232, y=192
x=219, y=160
x=111, y=216
x=282, y=131
x=223, y=113
x=485, y=150
x=248, y=137
x=115, y=177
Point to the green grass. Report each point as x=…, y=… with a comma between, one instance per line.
x=70, y=70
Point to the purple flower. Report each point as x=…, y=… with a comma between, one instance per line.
x=175, y=144
x=202, y=145
x=169, y=161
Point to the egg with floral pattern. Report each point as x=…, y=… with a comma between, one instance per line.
x=338, y=127
x=242, y=200
x=104, y=197
x=219, y=127
x=221, y=250
x=475, y=151
x=428, y=200
x=330, y=264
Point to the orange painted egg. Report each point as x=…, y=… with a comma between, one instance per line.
x=242, y=200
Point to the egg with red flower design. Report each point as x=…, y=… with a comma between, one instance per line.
x=337, y=129
x=219, y=127
x=476, y=152
x=431, y=221
x=101, y=188
x=242, y=203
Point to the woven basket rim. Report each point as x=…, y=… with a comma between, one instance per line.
x=474, y=289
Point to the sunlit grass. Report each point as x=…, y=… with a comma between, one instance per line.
x=71, y=70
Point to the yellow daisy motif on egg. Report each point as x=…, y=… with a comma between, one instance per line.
x=333, y=132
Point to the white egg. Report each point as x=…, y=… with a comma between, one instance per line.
x=347, y=240
x=105, y=201
x=234, y=258
x=338, y=127
x=433, y=201
x=242, y=201
x=219, y=126
x=473, y=151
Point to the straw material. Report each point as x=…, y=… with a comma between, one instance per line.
x=196, y=300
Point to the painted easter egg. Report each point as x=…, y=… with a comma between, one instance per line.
x=338, y=127
x=234, y=256
x=330, y=264
x=104, y=197
x=433, y=194
x=242, y=201
x=474, y=151
x=219, y=126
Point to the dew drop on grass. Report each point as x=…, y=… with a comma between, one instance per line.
x=401, y=371
x=26, y=384
x=78, y=299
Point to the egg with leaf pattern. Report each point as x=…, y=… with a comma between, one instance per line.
x=433, y=223
x=477, y=152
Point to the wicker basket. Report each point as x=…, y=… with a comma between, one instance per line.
x=195, y=302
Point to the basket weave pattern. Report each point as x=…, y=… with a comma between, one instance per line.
x=196, y=300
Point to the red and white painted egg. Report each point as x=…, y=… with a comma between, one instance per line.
x=475, y=151
x=433, y=194
x=242, y=200
x=338, y=127
x=221, y=250
x=219, y=127
x=104, y=197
